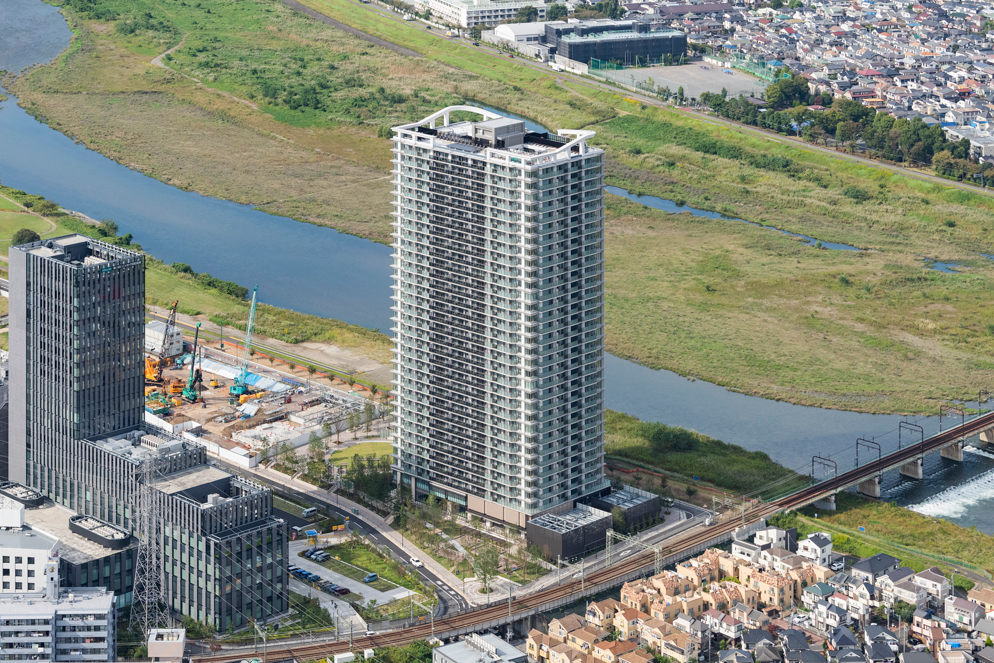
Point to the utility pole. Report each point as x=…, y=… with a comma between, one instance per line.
x=265, y=641
x=559, y=569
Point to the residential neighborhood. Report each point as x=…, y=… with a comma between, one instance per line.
x=777, y=599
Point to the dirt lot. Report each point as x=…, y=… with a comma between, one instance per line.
x=694, y=78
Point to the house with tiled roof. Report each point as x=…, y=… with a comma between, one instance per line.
x=601, y=613
x=626, y=622
x=608, y=652
x=652, y=632
x=563, y=653
x=583, y=639
x=681, y=647
x=560, y=627
x=537, y=646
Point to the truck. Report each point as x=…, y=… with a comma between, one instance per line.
x=555, y=67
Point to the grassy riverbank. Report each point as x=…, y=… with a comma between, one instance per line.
x=690, y=454
x=287, y=112
x=918, y=541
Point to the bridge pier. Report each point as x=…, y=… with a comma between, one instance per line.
x=828, y=504
x=913, y=469
x=987, y=436
x=953, y=452
x=870, y=487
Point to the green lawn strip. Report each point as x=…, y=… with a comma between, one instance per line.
x=364, y=449
x=360, y=560
x=288, y=506
x=8, y=205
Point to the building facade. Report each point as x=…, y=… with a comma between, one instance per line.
x=77, y=437
x=467, y=13
x=498, y=310
x=77, y=624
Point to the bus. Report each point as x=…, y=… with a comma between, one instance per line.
x=307, y=513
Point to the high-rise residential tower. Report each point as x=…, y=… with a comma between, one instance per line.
x=498, y=310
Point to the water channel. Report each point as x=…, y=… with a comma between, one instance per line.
x=317, y=270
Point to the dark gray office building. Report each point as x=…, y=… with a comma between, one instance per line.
x=629, y=42
x=77, y=437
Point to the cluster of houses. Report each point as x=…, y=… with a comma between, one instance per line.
x=777, y=600
x=932, y=60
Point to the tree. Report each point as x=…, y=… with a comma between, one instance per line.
x=290, y=365
x=107, y=228
x=369, y=410
x=905, y=611
x=486, y=564
x=556, y=12
x=311, y=370
x=618, y=520
x=679, y=93
x=317, y=447
x=271, y=359
x=46, y=207
x=24, y=236
x=527, y=14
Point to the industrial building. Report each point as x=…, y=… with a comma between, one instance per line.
x=77, y=439
x=636, y=505
x=159, y=334
x=498, y=310
x=478, y=647
x=570, y=534
x=627, y=42
x=467, y=13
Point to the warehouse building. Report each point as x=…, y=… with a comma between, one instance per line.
x=570, y=534
x=636, y=505
x=628, y=42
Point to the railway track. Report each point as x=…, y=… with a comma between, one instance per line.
x=636, y=562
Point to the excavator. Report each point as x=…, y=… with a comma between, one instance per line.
x=154, y=364
x=190, y=391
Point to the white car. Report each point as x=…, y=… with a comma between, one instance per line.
x=837, y=566
x=415, y=562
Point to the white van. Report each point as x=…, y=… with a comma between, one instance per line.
x=307, y=513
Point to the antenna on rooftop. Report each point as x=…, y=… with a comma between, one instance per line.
x=147, y=607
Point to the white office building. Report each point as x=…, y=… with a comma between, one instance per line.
x=467, y=13
x=29, y=561
x=498, y=314
x=38, y=619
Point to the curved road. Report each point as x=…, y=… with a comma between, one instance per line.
x=449, y=599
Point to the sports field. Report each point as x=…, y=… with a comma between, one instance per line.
x=693, y=78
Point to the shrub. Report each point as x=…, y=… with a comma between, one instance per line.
x=24, y=236
x=857, y=194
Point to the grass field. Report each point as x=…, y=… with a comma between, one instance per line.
x=757, y=311
x=7, y=205
x=364, y=449
x=11, y=222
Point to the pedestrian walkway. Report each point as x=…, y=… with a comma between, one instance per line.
x=343, y=615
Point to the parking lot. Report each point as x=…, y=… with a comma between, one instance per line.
x=349, y=577
x=693, y=78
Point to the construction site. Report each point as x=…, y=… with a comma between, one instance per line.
x=219, y=398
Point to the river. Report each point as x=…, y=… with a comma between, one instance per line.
x=317, y=270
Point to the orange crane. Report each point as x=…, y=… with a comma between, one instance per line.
x=153, y=364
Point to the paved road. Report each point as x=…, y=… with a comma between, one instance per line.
x=794, y=142
x=449, y=598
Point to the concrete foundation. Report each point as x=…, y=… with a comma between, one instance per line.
x=827, y=504
x=870, y=487
x=953, y=452
x=913, y=469
x=987, y=436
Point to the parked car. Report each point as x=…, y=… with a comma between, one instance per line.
x=371, y=577
x=342, y=591
x=837, y=566
x=415, y=562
